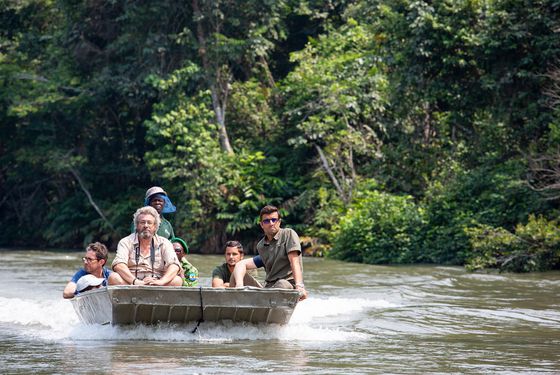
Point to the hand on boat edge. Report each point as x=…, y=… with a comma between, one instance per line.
x=302, y=292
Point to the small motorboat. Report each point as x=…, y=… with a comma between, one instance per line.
x=128, y=304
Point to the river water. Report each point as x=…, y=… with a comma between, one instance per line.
x=359, y=319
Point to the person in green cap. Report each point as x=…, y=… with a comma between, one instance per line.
x=189, y=273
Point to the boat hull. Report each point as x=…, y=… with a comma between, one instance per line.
x=123, y=305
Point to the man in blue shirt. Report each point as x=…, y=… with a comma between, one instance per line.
x=94, y=264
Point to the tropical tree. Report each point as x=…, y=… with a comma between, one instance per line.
x=335, y=98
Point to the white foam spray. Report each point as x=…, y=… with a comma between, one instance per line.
x=314, y=319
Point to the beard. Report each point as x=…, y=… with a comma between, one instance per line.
x=145, y=234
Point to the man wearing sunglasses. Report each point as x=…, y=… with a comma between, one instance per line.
x=94, y=264
x=279, y=253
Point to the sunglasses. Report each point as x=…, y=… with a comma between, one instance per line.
x=269, y=221
x=89, y=260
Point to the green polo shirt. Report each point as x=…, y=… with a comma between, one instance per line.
x=274, y=254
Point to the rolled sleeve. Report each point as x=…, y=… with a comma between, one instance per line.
x=123, y=251
x=168, y=255
x=292, y=242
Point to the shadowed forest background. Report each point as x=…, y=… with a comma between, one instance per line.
x=387, y=131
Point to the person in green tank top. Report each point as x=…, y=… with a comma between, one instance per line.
x=158, y=199
x=221, y=275
x=189, y=273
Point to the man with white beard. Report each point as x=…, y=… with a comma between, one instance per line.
x=143, y=257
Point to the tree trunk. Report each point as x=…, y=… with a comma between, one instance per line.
x=330, y=172
x=90, y=198
x=220, y=111
x=427, y=125
x=219, y=85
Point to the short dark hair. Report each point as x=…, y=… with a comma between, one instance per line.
x=268, y=209
x=235, y=244
x=100, y=250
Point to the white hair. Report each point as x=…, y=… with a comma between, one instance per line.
x=146, y=210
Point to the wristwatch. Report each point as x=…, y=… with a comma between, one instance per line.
x=301, y=285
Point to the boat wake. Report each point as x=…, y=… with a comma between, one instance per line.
x=47, y=313
x=315, y=319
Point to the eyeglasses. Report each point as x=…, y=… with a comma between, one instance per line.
x=89, y=260
x=271, y=220
x=146, y=222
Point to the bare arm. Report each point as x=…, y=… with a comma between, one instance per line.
x=69, y=290
x=219, y=283
x=124, y=272
x=295, y=263
x=241, y=269
x=120, y=266
x=171, y=276
x=170, y=273
x=181, y=272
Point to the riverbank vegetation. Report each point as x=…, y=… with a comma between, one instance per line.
x=390, y=131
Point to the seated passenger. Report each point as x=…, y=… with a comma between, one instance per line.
x=94, y=262
x=88, y=282
x=189, y=273
x=143, y=257
x=279, y=253
x=221, y=275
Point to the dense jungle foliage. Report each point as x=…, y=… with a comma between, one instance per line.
x=388, y=131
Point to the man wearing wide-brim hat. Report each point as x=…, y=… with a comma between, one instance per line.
x=158, y=199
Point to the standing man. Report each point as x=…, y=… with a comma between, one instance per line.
x=279, y=253
x=143, y=257
x=94, y=264
x=221, y=275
